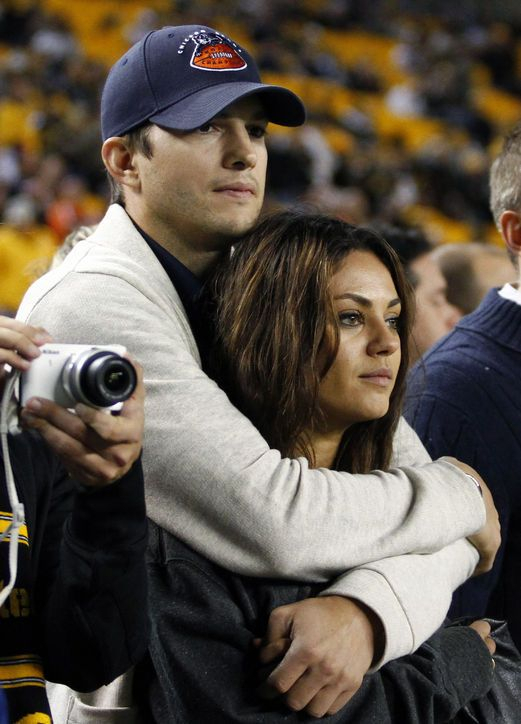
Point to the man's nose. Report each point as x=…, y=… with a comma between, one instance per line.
x=240, y=151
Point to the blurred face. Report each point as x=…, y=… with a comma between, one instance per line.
x=359, y=383
x=202, y=188
x=435, y=317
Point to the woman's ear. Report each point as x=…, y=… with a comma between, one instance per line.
x=119, y=162
x=510, y=224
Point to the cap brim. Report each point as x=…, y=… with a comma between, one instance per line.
x=282, y=106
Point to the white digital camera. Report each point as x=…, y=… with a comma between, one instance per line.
x=71, y=373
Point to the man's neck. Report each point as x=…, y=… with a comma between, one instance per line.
x=197, y=261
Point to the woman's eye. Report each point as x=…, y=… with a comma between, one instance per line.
x=394, y=323
x=351, y=319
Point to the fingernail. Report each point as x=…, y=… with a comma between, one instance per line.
x=42, y=337
x=34, y=404
x=33, y=350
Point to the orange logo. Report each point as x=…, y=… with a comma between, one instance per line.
x=214, y=52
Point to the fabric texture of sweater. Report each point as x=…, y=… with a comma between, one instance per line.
x=464, y=399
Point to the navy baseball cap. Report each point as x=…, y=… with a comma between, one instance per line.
x=181, y=77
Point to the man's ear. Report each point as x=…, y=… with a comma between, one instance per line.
x=119, y=161
x=510, y=223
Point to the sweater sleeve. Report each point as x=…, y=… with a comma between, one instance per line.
x=91, y=584
x=411, y=594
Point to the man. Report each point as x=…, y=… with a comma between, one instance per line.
x=435, y=315
x=184, y=117
x=77, y=611
x=464, y=400
x=470, y=270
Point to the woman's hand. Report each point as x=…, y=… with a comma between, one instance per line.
x=483, y=629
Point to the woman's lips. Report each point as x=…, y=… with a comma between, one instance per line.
x=381, y=377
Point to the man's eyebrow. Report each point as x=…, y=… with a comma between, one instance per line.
x=364, y=301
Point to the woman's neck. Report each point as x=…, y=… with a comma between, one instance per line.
x=325, y=447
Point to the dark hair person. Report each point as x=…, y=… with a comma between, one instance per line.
x=312, y=318
x=279, y=332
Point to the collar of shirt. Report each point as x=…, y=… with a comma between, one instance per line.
x=510, y=292
x=190, y=289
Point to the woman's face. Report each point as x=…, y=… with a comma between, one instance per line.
x=359, y=383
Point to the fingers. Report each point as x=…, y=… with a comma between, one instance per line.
x=274, y=650
x=96, y=447
x=332, y=646
x=483, y=629
x=19, y=343
x=319, y=687
x=328, y=701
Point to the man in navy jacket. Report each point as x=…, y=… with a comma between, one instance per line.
x=464, y=399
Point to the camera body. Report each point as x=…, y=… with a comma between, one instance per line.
x=98, y=376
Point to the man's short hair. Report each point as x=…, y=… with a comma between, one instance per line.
x=137, y=140
x=505, y=177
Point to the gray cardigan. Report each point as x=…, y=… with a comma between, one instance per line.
x=394, y=540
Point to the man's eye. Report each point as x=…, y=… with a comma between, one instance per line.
x=206, y=128
x=351, y=319
x=258, y=131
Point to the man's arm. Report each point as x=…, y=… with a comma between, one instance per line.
x=237, y=501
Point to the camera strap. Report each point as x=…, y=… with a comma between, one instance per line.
x=18, y=513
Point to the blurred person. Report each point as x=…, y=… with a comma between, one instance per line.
x=434, y=316
x=72, y=206
x=187, y=158
x=77, y=612
x=319, y=367
x=25, y=246
x=464, y=400
x=470, y=270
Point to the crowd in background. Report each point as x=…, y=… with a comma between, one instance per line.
x=405, y=111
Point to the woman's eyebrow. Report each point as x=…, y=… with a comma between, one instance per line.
x=364, y=301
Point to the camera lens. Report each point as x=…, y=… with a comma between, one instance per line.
x=101, y=378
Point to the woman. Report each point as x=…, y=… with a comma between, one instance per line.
x=312, y=317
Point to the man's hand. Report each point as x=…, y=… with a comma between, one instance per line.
x=328, y=644
x=95, y=447
x=488, y=538
x=19, y=344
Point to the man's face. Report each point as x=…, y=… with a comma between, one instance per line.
x=435, y=317
x=202, y=188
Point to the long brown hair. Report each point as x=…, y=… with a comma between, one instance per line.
x=278, y=334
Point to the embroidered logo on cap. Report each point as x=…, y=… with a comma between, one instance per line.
x=214, y=52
